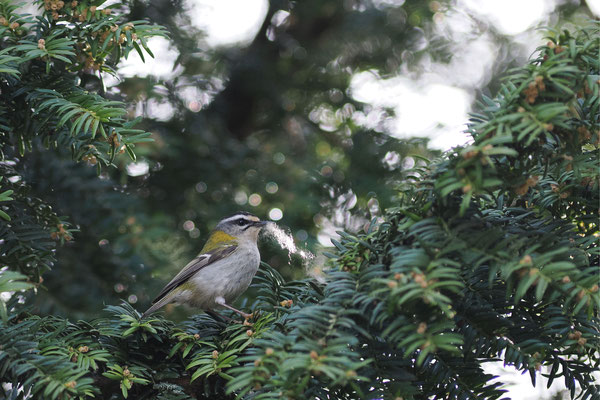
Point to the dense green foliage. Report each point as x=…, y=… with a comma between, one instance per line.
x=47, y=61
x=487, y=253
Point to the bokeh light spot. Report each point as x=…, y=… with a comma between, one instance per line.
x=240, y=198
x=194, y=233
x=271, y=187
x=278, y=158
x=201, y=187
x=373, y=206
x=408, y=163
x=275, y=214
x=138, y=168
x=323, y=149
x=189, y=225
x=392, y=160
x=302, y=235
x=194, y=106
x=254, y=199
x=326, y=171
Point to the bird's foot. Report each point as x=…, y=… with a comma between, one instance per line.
x=221, y=302
x=247, y=316
x=252, y=316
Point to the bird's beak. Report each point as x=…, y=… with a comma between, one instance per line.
x=261, y=224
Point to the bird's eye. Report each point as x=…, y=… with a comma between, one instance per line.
x=241, y=222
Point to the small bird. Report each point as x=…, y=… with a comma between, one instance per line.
x=221, y=272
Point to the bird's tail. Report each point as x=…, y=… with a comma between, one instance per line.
x=162, y=302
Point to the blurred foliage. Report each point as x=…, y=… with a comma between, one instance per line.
x=487, y=253
x=274, y=118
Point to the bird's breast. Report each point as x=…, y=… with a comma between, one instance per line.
x=228, y=277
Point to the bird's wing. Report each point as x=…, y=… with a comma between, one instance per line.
x=201, y=261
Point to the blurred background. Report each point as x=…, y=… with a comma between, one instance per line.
x=301, y=112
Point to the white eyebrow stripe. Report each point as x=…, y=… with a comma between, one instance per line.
x=242, y=216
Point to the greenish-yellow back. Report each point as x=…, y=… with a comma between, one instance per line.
x=216, y=240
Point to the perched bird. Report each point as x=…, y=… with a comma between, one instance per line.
x=221, y=272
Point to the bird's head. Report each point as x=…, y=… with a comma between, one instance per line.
x=239, y=227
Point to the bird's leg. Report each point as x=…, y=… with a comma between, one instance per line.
x=221, y=301
x=243, y=314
